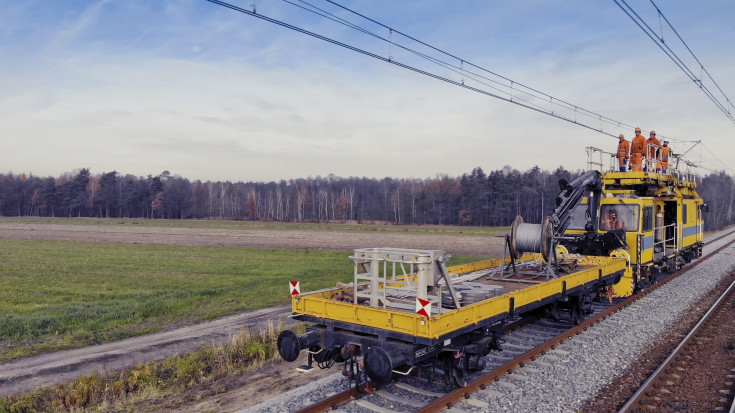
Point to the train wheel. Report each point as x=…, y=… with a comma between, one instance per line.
x=575, y=311
x=458, y=377
x=671, y=264
x=452, y=369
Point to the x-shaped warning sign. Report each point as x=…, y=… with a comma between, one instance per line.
x=295, y=289
x=423, y=307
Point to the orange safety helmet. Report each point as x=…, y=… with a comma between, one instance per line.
x=637, y=130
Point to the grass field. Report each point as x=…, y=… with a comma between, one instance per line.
x=255, y=225
x=62, y=294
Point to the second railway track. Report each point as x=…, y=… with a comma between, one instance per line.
x=698, y=375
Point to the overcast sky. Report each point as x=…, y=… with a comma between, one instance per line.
x=209, y=93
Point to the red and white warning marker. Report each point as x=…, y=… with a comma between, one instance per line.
x=295, y=289
x=423, y=307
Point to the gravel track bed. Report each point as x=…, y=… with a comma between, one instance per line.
x=303, y=396
x=563, y=379
x=701, y=382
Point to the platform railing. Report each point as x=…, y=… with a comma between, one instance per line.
x=666, y=243
x=601, y=160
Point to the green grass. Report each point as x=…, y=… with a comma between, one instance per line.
x=144, y=386
x=257, y=225
x=62, y=294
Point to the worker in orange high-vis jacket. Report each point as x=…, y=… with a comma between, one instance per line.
x=637, y=151
x=652, y=155
x=664, y=156
x=623, y=153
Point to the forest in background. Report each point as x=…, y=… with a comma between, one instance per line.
x=475, y=198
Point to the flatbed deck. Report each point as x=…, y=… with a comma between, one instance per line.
x=523, y=291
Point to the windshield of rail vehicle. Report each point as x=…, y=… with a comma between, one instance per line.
x=617, y=216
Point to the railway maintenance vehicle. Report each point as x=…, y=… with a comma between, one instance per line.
x=407, y=312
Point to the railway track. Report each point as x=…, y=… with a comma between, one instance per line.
x=527, y=349
x=699, y=373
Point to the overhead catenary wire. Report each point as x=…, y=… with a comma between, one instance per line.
x=451, y=67
x=512, y=92
x=725, y=107
x=518, y=102
x=724, y=165
x=460, y=70
x=527, y=92
x=729, y=103
x=463, y=61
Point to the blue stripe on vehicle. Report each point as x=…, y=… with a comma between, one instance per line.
x=689, y=231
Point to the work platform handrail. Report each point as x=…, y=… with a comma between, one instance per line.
x=600, y=160
x=674, y=242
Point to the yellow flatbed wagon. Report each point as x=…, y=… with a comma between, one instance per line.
x=405, y=307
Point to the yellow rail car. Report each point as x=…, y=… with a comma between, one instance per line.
x=377, y=318
x=660, y=219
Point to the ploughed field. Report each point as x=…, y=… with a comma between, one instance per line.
x=73, y=282
x=475, y=241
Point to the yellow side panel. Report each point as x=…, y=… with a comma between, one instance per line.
x=316, y=304
x=446, y=323
x=632, y=239
x=625, y=287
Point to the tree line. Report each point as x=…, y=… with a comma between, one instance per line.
x=475, y=198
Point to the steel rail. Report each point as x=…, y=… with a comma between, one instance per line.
x=482, y=382
x=720, y=237
x=332, y=402
x=637, y=398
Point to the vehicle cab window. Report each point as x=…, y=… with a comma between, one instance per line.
x=619, y=216
x=647, y=219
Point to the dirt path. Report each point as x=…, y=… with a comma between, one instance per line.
x=241, y=391
x=29, y=373
x=453, y=244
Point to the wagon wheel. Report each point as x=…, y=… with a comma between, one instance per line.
x=458, y=377
x=671, y=265
x=575, y=312
x=453, y=371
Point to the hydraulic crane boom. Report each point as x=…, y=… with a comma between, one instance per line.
x=591, y=242
x=589, y=185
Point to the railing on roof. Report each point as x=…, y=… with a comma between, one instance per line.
x=604, y=161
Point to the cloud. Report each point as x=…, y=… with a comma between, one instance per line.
x=75, y=27
x=210, y=94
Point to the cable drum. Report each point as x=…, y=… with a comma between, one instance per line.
x=530, y=237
